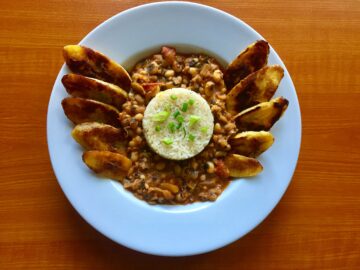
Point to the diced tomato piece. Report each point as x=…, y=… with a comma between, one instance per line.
x=169, y=54
x=150, y=86
x=221, y=170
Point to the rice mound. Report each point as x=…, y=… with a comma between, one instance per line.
x=181, y=146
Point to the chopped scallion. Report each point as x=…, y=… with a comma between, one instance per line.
x=173, y=97
x=176, y=114
x=167, y=141
x=160, y=116
x=191, y=102
x=180, y=119
x=157, y=128
x=172, y=127
x=179, y=125
x=191, y=137
x=193, y=119
x=184, y=107
x=204, y=129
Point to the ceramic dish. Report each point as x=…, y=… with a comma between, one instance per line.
x=181, y=229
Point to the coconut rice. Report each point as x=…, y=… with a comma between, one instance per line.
x=188, y=126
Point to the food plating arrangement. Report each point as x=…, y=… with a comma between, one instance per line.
x=177, y=128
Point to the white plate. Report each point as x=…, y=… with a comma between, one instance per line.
x=173, y=230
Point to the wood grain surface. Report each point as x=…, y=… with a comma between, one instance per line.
x=315, y=226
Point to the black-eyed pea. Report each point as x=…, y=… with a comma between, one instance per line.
x=169, y=73
x=210, y=167
x=209, y=87
x=193, y=71
x=138, y=117
x=218, y=129
x=217, y=75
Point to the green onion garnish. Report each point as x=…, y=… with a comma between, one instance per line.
x=157, y=128
x=204, y=129
x=176, y=114
x=160, y=116
x=191, y=102
x=191, y=137
x=173, y=97
x=184, y=130
x=184, y=107
x=167, y=141
x=179, y=125
x=172, y=127
x=193, y=119
x=180, y=119
x=168, y=107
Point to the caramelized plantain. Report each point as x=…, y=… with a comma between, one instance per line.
x=91, y=63
x=107, y=164
x=85, y=87
x=258, y=87
x=251, y=59
x=241, y=166
x=80, y=110
x=251, y=143
x=262, y=116
x=97, y=136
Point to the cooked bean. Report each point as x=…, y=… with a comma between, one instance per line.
x=218, y=128
x=169, y=73
x=138, y=130
x=171, y=187
x=138, y=139
x=134, y=156
x=217, y=75
x=140, y=109
x=133, y=123
x=139, y=117
x=140, y=100
x=193, y=71
x=169, y=85
x=210, y=167
x=177, y=80
x=230, y=126
x=194, y=164
x=132, y=143
x=138, y=88
x=220, y=154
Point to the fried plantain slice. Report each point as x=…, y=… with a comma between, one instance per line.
x=258, y=87
x=251, y=143
x=262, y=116
x=91, y=63
x=80, y=110
x=107, y=164
x=241, y=166
x=251, y=59
x=97, y=136
x=85, y=87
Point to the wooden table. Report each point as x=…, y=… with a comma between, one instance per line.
x=315, y=226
